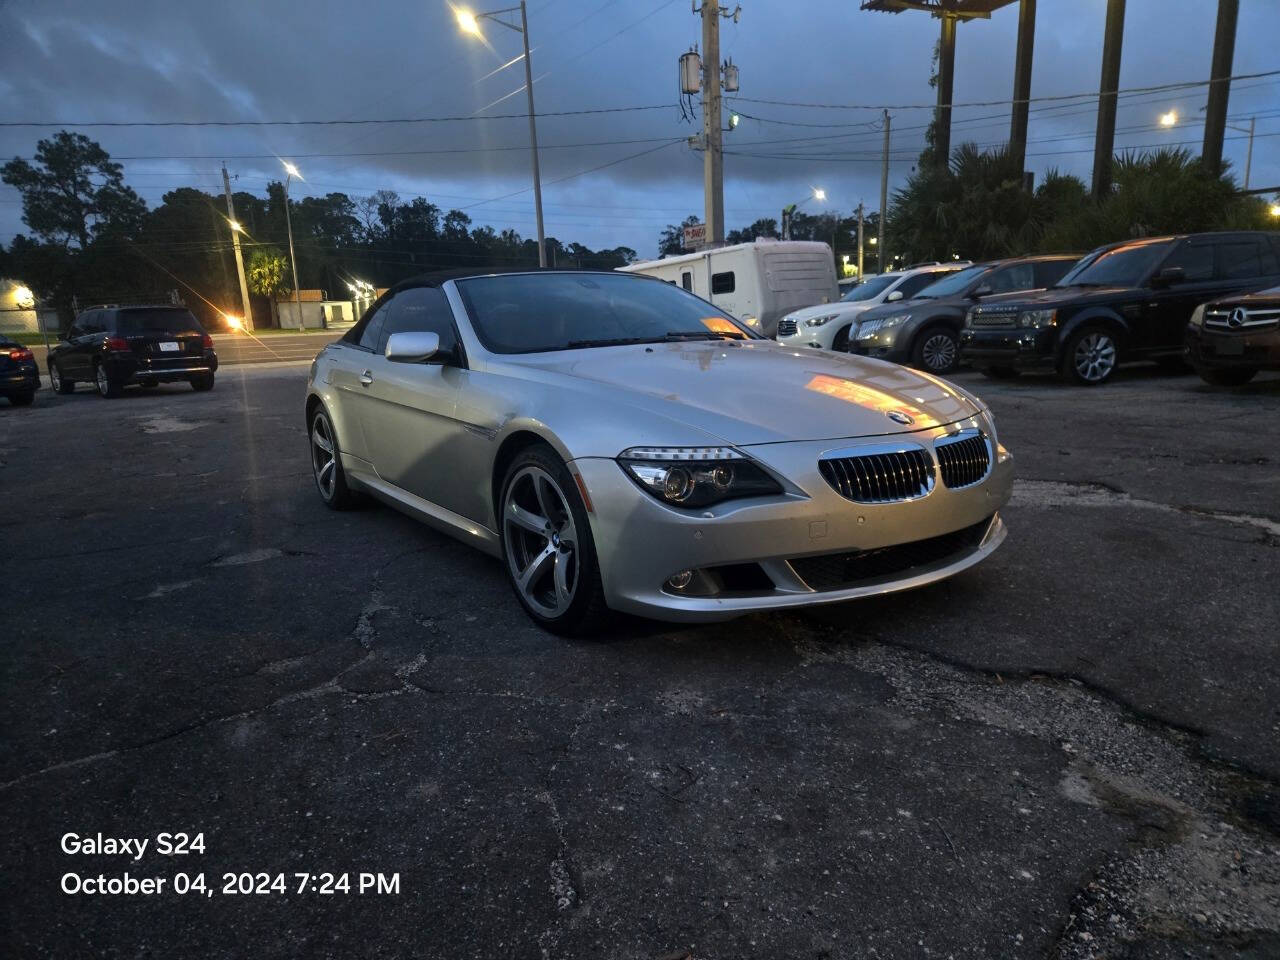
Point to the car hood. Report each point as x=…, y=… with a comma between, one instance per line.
x=840, y=308
x=908, y=306
x=756, y=391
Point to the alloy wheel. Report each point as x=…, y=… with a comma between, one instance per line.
x=1095, y=356
x=541, y=541
x=324, y=457
x=939, y=352
x=104, y=385
x=55, y=378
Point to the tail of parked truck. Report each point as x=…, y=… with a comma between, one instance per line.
x=758, y=282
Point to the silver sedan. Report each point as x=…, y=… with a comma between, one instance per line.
x=621, y=444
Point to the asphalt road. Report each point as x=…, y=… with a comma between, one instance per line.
x=1072, y=750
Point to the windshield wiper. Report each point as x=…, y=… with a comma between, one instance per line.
x=677, y=336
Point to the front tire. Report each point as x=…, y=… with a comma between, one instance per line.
x=22, y=398
x=936, y=349
x=59, y=383
x=547, y=547
x=841, y=342
x=202, y=382
x=1228, y=376
x=1090, y=356
x=108, y=387
x=326, y=463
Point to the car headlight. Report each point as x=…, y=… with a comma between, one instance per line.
x=695, y=477
x=819, y=321
x=1197, y=316
x=896, y=320
x=1037, y=318
x=751, y=322
x=969, y=315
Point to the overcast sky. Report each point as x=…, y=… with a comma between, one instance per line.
x=156, y=60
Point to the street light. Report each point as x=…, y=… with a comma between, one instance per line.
x=818, y=194
x=1275, y=210
x=1169, y=119
x=291, y=172
x=469, y=23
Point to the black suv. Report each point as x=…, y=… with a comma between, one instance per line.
x=115, y=346
x=1230, y=340
x=1125, y=301
x=925, y=330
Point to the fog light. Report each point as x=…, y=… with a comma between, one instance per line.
x=681, y=580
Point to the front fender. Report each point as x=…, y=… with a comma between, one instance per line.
x=1103, y=315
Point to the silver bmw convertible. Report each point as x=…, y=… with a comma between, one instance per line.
x=621, y=444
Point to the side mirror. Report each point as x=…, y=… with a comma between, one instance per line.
x=412, y=347
x=982, y=291
x=893, y=297
x=1168, y=277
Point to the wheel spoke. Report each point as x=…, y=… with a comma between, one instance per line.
x=526, y=519
x=322, y=441
x=536, y=568
x=326, y=469
x=564, y=595
x=546, y=498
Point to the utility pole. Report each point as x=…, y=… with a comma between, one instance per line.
x=1104, y=140
x=884, y=192
x=247, y=317
x=859, y=241
x=713, y=155
x=1215, y=116
x=533, y=139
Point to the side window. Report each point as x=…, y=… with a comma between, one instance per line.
x=722, y=282
x=686, y=281
x=913, y=285
x=1018, y=276
x=372, y=331
x=419, y=310
x=1246, y=259
x=1195, y=259
x=1049, y=272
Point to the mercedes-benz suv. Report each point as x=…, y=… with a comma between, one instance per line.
x=112, y=347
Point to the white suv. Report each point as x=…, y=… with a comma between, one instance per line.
x=826, y=326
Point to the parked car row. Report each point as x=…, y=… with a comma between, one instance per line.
x=1188, y=298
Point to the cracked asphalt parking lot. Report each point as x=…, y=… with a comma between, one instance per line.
x=1072, y=750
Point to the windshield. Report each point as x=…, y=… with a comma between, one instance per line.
x=1120, y=266
x=868, y=289
x=954, y=283
x=175, y=321
x=537, y=312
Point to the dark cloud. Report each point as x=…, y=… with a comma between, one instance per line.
x=141, y=59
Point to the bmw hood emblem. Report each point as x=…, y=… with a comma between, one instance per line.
x=897, y=416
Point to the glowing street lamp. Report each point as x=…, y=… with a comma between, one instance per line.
x=291, y=172
x=818, y=194
x=1275, y=210
x=469, y=23
x=1169, y=119
x=235, y=226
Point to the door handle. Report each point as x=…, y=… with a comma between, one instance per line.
x=366, y=378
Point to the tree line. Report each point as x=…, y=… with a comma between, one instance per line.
x=92, y=238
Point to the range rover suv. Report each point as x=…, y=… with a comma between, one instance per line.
x=112, y=347
x=1125, y=301
x=1230, y=340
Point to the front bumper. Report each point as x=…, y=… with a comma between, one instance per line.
x=1020, y=348
x=883, y=345
x=1215, y=350
x=641, y=543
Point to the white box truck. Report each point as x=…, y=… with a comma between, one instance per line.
x=758, y=282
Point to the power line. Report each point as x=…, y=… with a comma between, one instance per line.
x=330, y=123
x=1184, y=85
